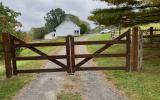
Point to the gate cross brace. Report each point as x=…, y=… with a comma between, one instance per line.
x=100, y=50
x=41, y=53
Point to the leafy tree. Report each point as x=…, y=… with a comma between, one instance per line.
x=38, y=33
x=54, y=18
x=8, y=22
x=129, y=12
x=85, y=27
x=74, y=19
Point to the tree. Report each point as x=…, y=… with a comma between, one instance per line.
x=128, y=12
x=38, y=33
x=83, y=29
x=8, y=22
x=74, y=19
x=54, y=18
x=84, y=26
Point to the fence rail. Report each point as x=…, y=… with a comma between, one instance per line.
x=40, y=44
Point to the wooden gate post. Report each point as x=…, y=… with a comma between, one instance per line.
x=13, y=56
x=68, y=53
x=7, y=54
x=151, y=34
x=72, y=54
x=128, y=46
x=135, y=48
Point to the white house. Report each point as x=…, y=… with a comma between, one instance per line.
x=50, y=35
x=66, y=28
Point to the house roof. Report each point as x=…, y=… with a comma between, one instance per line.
x=66, y=21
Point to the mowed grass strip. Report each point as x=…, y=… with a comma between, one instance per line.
x=68, y=96
x=144, y=85
x=10, y=87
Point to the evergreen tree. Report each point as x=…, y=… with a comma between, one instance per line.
x=128, y=12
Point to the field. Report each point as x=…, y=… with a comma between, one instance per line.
x=10, y=87
x=144, y=85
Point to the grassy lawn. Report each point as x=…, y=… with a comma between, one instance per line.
x=144, y=85
x=68, y=96
x=10, y=87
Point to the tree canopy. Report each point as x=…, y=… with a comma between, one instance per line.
x=8, y=22
x=54, y=18
x=85, y=27
x=130, y=12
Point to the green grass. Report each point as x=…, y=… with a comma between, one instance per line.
x=144, y=85
x=10, y=87
x=147, y=26
x=68, y=96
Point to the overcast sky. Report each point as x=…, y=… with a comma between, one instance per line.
x=33, y=11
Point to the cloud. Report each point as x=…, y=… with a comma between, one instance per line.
x=33, y=11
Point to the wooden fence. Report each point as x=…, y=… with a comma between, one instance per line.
x=151, y=33
x=10, y=43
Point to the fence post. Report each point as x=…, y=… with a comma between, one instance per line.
x=136, y=49
x=68, y=53
x=13, y=55
x=72, y=54
x=7, y=54
x=140, y=51
x=151, y=34
x=128, y=38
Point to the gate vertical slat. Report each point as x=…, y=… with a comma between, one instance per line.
x=72, y=54
x=7, y=54
x=128, y=38
x=13, y=55
x=68, y=54
x=151, y=35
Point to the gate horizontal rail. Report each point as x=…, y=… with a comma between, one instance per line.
x=100, y=55
x=41, y=57
x=40, y=44
x=99, y=42
x=41, y=70
x=100, y=68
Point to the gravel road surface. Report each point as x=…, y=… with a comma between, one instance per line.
x=92, y=85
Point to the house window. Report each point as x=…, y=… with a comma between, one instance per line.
x=76, y=32
x=53, y=35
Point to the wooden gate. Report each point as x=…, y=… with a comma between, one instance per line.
x=122, y=39
x=11, y=43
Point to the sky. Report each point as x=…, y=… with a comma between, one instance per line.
x=33, y=11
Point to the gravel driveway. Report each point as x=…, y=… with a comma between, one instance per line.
x=92, y=85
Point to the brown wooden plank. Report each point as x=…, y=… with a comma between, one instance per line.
x=99, y=42
x=128, y=60
x=7, y=54
x=41, y=57
x=40, y=44
x=101, y=49
x=99, y=68
x=153, y=36
x=72, y=54
x=13, y=54
x=100, y=55
x=41, y=70
x=40, y=53
x=134, y=56
x=68, y=54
